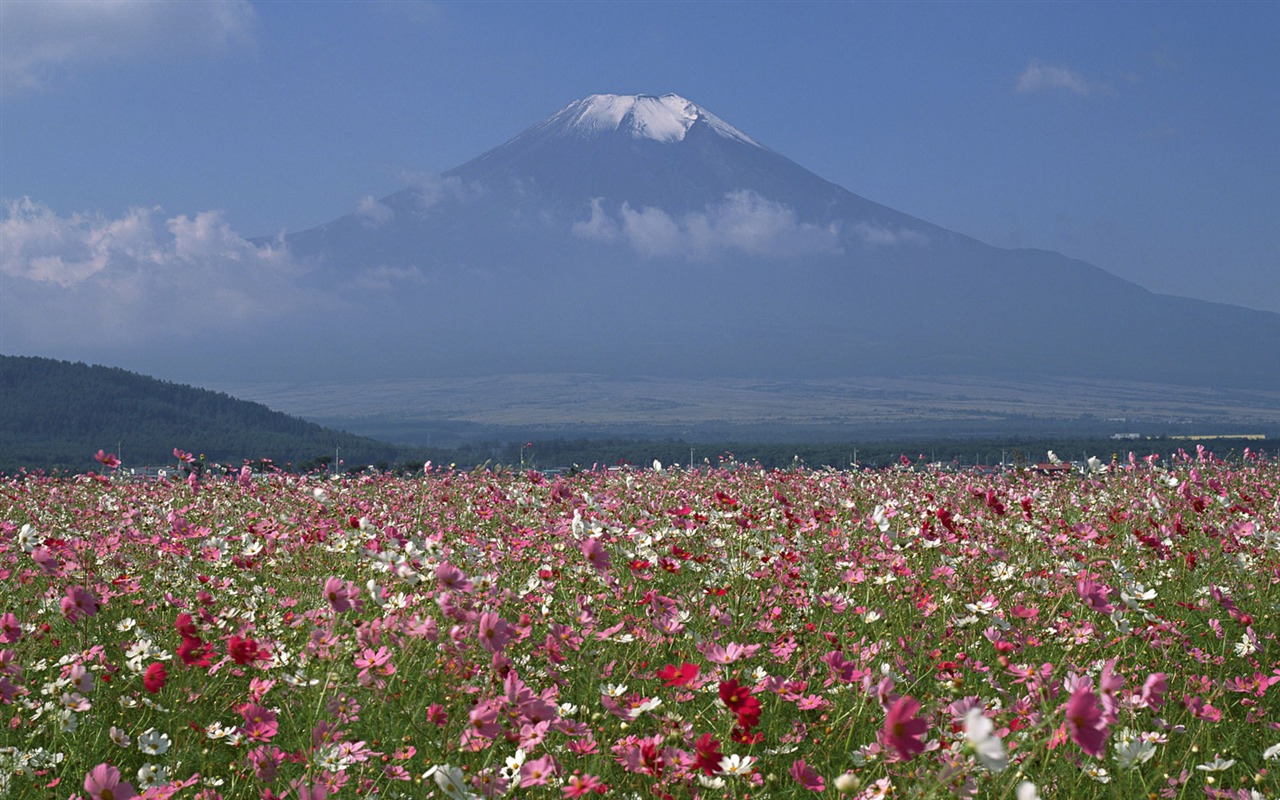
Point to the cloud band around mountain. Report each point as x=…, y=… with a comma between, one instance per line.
x=745, y=223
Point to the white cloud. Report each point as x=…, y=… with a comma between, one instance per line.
x=599, y=226
x=1038, y=77
x=126, y=279
x=41, y=40
x=372, y=213
x=745, y=222
x=877, y=234
x=432, y=187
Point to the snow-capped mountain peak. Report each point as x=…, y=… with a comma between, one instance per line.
x=663, y=119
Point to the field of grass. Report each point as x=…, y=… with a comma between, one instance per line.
x=730, y=632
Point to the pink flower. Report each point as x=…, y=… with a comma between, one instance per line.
x=341, y=595
x=260, y=723
x=581, y=785
x=107, y=460
x=495, y=632
x=806, y=777
x=10, y=628
x=596, y=554
x=1154, y=689
x=902, y=728
x=79, y=602
x=1085, y=721
x=537, y=772
x=103, y=783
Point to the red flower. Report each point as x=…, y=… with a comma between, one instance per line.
x=709, y=755
x=682, y=675
x=155, y=677
x=244, y=651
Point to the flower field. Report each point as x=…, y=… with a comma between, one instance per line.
x=725, y=632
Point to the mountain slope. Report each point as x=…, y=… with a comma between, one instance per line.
x=58, y=414
x=643, y=235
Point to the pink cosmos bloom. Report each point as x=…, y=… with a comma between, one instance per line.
x=107, y=459
x=537, y=772
x=1094, y=594
x=582, y=785
x=596, y=554
x=495, y=632
x=10, y=628
x=902, y=728
x=103, y=783
x=79, y=602
x=806, y=777
x=452, y=579
x=1154, y=689
x=265, y=762
x=1085, y=721
x=341, y=595
x=260, y=723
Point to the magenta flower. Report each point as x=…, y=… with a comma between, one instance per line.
x=1085, y=722
x=596, y=555
x=79, y=602
x=537, y=772
x=10, y=628
x=260, y=723
x=902, y=728
x=806, y=777
x=103, y=783
x=155, y=677
x=495, y=632
x=341, y=595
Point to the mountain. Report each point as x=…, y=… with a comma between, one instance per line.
x=643, y=235
x=56, y=414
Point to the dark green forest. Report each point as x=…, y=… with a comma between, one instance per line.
x=58, y=414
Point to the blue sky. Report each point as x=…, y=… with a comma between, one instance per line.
x=1141, y=137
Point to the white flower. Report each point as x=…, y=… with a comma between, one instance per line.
x=1129, y=754
x=614, y=690
x=150, y=775
x=1028, y=791
x=1271, y=752
x=737, y=765
x=513, y=764
x=978, y=730
x=1218, y=764
x=1245, y=646
x=1098, y=774
x=154, y=743
x=452, y=781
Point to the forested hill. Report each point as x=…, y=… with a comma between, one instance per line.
x=56, y=414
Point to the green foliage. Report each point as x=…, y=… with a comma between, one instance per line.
x=56, y=415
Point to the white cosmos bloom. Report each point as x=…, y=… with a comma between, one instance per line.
x=1271, y=752
x=737, y=765
x=979, y=731
x=1028, y=791
x=452, y=781
x=1218, y=764
x=154, y=743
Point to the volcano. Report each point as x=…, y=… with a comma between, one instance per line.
x=634, y=235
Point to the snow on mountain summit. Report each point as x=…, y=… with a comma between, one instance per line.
x=663, y=119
